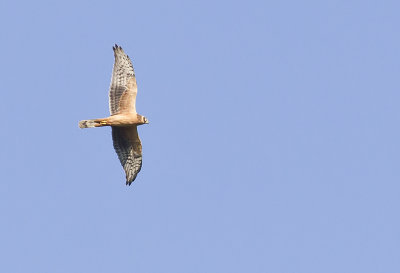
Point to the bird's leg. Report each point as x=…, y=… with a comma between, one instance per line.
x=101, y=122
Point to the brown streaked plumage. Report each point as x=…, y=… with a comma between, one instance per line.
x=124, y=119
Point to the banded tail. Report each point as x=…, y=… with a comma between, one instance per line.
x=90, y=123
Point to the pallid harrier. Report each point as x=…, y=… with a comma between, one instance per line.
x=124, y=119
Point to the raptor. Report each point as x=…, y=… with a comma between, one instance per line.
x=123, y=118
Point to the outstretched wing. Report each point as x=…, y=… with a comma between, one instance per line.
x=129, y=150
x=123, y=87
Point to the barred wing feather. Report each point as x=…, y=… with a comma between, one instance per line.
x=128, y=147
x=123, y=88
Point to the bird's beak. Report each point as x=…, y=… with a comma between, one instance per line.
x=147, y=122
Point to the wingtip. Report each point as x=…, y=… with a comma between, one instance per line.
x=129, y=180
x=117, y=47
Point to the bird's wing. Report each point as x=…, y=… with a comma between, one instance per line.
x=129, y=150
x=123, y=87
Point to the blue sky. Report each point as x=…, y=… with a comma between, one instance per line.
x=273, y=143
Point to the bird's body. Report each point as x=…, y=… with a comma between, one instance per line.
x=124, y=119
x=120, y=120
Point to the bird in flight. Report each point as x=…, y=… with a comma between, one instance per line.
x=123, y=119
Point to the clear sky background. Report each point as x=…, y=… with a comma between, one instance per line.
x=273, y=143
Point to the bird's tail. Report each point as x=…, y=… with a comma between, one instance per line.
x=90, y=123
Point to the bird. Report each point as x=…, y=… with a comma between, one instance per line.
x=123, y=118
